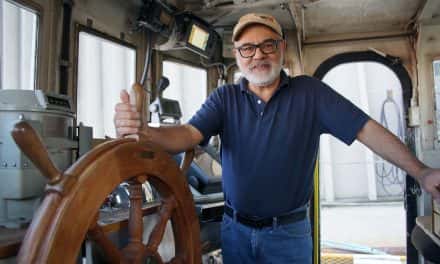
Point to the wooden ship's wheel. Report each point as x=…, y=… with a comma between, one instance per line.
x=70, y=208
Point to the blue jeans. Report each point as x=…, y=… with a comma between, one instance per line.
x=291, y=243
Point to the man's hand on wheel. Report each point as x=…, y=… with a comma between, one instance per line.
x=127, y=120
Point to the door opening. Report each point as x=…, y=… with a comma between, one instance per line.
x=362, y=211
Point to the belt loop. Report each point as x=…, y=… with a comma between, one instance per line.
x=274, y=222
x=234, y=214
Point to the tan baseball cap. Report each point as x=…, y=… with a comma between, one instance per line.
x=256, y=18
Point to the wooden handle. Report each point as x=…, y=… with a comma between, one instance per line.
x=32, y=146
x=141, y=99
x=187, y=160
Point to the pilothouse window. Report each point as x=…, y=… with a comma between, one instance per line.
x=188, y=85
x=18, y=46
x=104, y=69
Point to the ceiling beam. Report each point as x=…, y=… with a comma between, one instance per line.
x=233, y=6
x=429, y=12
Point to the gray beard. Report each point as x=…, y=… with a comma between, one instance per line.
x=259, y=80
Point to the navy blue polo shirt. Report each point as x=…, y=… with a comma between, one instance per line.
x=269, y=149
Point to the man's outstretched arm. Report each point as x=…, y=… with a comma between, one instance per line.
x=174, y=139
x=390, y=148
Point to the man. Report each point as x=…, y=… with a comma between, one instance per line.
x=270, y=126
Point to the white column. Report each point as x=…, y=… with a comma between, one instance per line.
x=369, y=156
x=326, y=168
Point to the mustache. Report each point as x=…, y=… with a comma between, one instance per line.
x=259, y=63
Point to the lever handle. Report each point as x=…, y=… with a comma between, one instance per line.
x=32, y=146
x=187, y=160
x=140, y=101
x=162, y=84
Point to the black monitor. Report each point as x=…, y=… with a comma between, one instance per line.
x=169, y=108
x=198, y=37
x=194, y=34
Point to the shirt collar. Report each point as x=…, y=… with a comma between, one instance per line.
x=283, y=82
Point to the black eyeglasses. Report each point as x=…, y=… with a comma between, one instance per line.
x=267, y=47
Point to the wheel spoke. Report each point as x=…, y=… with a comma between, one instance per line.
x=176, y=260
x=156, y=235
x=186, y=161
x=157, y=258
x=133, y=252
x=135, y=223
x=96, y=233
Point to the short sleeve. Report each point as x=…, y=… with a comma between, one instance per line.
x=337, y=115
x=209, y=118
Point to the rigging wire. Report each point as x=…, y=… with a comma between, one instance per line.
x=389, y=175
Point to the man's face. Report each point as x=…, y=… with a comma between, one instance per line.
x=262, y=68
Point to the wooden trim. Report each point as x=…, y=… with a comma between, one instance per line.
x=9, y=250
x=10, y=241
x=355, y=37
x=82, y=28
x=28, y=5
x=166, y=57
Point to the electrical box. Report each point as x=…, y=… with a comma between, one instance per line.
x=21, y=183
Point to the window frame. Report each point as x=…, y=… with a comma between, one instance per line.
x=37, y=9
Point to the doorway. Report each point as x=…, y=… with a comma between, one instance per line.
x=362, y=197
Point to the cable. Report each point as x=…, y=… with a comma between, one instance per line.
x=388, y=174
x=147, y=61
x=222, y=69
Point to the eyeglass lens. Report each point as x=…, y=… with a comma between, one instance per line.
x=267, y=47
